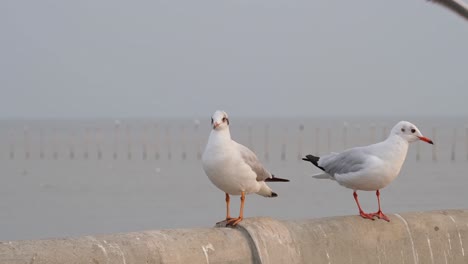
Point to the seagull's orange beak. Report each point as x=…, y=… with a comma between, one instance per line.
x=425, y=139
x=216, y=124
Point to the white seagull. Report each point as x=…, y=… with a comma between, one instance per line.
x=457, y=6
x=234, y=168
x=369, y=168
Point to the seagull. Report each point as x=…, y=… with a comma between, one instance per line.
x=372, y=167
x=457, y=6
x=234, y=168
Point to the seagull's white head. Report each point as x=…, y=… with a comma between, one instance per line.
x=409, y=132
x=220, y=120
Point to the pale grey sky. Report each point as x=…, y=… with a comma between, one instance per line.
x=81, y=59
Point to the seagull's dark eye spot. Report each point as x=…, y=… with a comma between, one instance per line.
x=211, y=120
x=413, y=130
x=225, y=119
x=402, y=129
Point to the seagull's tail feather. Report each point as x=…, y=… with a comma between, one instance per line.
x=276, y=179
x=314, y=160
x=321, y=176
x=266, y=191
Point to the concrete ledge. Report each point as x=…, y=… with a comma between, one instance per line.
x=417, y=237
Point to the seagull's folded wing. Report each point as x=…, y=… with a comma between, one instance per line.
x=349, y=161
x=251, y=159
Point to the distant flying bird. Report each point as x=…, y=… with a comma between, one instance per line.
x=457, y=6
x=369, y=168
x=234, y=168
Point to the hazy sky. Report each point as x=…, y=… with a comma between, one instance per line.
x=81, y=59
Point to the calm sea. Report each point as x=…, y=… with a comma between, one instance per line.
x=73, y=178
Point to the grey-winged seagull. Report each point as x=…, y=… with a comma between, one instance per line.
x=369, y=168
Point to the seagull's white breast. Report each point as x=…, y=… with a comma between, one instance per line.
x=223, y=164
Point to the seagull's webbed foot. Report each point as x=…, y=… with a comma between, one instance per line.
x=224, y=221
x=366, y=216
x=234, y=221
x=381, y=215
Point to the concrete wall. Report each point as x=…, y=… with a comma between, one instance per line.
x=417, y=237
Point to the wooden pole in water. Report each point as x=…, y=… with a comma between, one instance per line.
x=26, y=142
x=418, y=151
x=156, y=141
x=317, y=141
x=434, y=148
x=358, y=134
x=116, y=138
x=454, y=140
x=85, y=143
x=299, y=142
x=182, y=142
x=384, y=132
x=98, y=143
x=372, y=133
x=466, y=138
x=55, y=153
x=41, y=144
x=283, y=146
x=128, y=131
x=12, y=146
x=345, y=135
x=196, y=123
x=168, y=142
x=266, y=143
x=71, y=151
x=144, y=139
x=250, y=142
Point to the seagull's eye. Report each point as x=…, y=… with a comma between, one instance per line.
x=225, y=119
x=413, y=130
x=402, y=129
x=211, y=120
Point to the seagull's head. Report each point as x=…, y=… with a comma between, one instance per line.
x=220, y=120
x=409, y=132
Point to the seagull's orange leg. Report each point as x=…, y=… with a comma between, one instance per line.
x=228, y=216
x=379, y=213
x=361, y=212
x=235, y=221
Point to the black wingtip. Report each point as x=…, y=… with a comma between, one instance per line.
x=273, y=194
x=314, y=160
x=276, y=179
x=310, y=158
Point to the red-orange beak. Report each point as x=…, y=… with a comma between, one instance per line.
x=215, y=125
x=425, y=139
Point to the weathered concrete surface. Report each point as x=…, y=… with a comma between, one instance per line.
x=215, y=245
x=418, y=237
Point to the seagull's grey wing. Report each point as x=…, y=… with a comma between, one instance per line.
x=348, y=161
x=251, y=159
x=458, y=6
